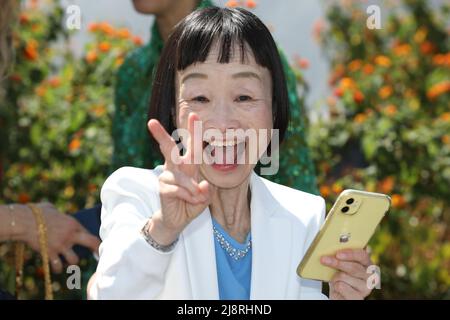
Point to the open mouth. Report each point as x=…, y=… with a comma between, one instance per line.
x=224, y=152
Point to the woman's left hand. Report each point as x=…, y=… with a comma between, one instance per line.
x=351, y=282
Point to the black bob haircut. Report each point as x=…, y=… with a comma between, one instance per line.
x=191, y=42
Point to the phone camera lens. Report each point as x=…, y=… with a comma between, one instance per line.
x=350, y=201
x=345, y=209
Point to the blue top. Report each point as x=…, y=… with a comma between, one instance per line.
x=233, y=275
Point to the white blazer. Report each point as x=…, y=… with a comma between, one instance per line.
x=284, y=222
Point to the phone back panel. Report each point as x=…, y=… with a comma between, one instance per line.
x=352, y=229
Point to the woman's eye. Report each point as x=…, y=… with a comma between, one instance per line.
x=243, y=98
x=201, y=99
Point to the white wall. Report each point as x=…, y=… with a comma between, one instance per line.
x=292, y=22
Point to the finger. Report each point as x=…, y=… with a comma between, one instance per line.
x=174, y=191
x=357, y=255
x=352, y=268
x=347, y=291
x=56, y=264
x=87, y=240
x=204, y=188
x=195, y=141
x=335, y=295
x=166, y=142
x=178, y=178
x=359, y=285
x=70, y=256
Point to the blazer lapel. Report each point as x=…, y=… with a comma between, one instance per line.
x=271, y=249
x=201, y=258
x=271, y=244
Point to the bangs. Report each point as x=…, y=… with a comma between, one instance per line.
x=225, y=30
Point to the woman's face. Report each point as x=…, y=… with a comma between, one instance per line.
x=234, y=104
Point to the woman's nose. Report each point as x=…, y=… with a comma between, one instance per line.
x=222, y=117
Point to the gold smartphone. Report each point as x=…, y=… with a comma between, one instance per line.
x=350, y=223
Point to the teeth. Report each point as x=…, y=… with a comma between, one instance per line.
x=222, y=143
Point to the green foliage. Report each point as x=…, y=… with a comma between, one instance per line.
x=56, y=116
x=388, y=131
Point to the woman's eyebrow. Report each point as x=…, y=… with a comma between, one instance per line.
x=194, y=75
x=246, y=74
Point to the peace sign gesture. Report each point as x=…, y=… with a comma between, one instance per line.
x=182, y=196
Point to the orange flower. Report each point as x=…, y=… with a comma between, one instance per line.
x=93, y=27
x=99, y=110
x=24, y=198
x=445, y=116
x=118, y=62
x=36, y=27
x=398, y=201
x=34, y=4
x=385, y=92
x=387, y=184
x=368, y=69
x=383, y=61
x=360, y=118
x=106, y=28
x=420, y=35
x=337, y=188
x=91, y=56
x=338, y=92
x=347, y=83
x=446, y=139
x=137, y=41
x=355, y=65
x=358, y=96
x=302, y=63
x=251, y=4
x=74, y=145
x=318, y=27
x=438, y=89
x=123, y=33
x=232, y=4
x=24, y=18
x=402, y=49
x=442, y=59
x=427, y=47
x=40, y=90
x=338, y=72
x=54, y=82
x=325, y=191
x=31, y=52
x=104, y=46
x=390, y=110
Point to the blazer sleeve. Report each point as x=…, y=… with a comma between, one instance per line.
x=128, y=268
x=312, y=289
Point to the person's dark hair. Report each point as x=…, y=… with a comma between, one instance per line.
x=191, y=42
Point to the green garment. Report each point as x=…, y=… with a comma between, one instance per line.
x=132, y=145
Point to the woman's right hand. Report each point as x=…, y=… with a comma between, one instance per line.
x=182, y=196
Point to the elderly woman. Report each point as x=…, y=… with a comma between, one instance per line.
x=213, y=229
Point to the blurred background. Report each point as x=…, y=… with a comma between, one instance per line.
x=377, y=103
